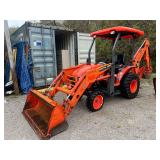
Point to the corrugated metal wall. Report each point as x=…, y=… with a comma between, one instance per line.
x=21, y=34
x=84, y=43
x=42, y=42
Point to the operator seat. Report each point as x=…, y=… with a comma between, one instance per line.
x=120, y=59
x=119, y=62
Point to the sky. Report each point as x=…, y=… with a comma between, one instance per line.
x=15, y=23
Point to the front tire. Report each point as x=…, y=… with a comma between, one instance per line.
x=95, y=101
x=130, y=85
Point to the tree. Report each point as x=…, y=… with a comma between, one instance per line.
x=103, y=49
x=52, y=22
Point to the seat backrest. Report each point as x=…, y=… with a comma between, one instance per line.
x=120, y=59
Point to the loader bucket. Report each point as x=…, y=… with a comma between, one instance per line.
x=45, y=116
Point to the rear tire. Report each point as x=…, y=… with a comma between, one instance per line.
x=130, y=85
x=95, y=101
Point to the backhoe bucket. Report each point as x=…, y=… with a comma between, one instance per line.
x=44, y=115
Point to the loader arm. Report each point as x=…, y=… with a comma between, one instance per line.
x=45, y=114
x=142, y=53
x=79, y=87
x=86, y=82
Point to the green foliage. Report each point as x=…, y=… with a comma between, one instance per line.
x=103, y=48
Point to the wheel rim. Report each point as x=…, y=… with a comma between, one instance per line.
x=98, y=102
x=133, y=86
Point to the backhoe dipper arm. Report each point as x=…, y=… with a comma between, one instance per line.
x=142, y=52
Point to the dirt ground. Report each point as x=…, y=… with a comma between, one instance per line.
x=119, y=119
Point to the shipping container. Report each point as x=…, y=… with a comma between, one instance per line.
x=48, y=44
x=84, y=42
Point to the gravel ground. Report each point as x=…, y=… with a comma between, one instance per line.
x=120, y=119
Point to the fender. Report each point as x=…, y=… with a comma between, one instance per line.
x=121, y=74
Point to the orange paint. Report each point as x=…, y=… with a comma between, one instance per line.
x=44, y=114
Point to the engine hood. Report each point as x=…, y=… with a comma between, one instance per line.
x=83, y=69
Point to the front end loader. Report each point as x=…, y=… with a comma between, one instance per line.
x=47, y=115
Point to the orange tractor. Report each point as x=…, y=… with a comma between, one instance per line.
x=48, y=117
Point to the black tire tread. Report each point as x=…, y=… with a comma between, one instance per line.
x=125, y=85
x=90, y=99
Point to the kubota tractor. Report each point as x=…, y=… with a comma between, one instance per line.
x=47, y=116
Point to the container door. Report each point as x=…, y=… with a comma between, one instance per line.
x=42, y=42
x=84, y=41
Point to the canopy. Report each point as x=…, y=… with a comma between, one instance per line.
x=111, y=33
